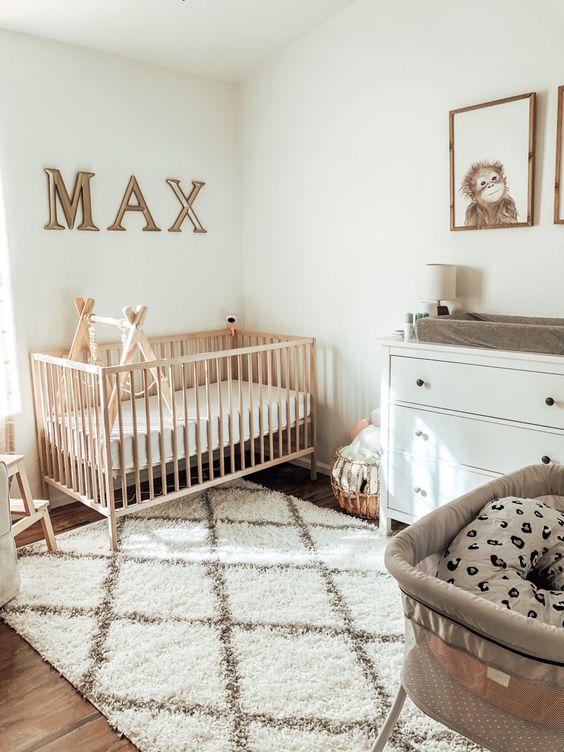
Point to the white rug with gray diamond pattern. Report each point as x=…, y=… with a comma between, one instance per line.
x=237, y=619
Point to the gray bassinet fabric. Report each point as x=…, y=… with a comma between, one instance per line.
x=491, y=674
x=428, y=598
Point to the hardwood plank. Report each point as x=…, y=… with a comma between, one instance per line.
x=93, y=735
x=37, y=704
x=39, y=710
x=63, y=518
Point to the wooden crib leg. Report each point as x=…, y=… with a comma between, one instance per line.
x=112, y=522
x=390, y=722
x=313, y=467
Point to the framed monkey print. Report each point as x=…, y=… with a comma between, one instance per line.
x=492, y=159
x=558, y=192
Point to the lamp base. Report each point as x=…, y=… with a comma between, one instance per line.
x=442, y=310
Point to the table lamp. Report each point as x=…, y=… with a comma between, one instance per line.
x=438, y=284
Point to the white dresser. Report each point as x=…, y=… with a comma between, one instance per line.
x=453, y=418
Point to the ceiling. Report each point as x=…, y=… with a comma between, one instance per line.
x=225, y=39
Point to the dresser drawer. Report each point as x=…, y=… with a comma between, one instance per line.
x=416, y=485
x=489, y=446
x=481, y=390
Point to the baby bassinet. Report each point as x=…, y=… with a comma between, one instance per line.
x=488, y=673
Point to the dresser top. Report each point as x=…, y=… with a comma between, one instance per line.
x=413, y=346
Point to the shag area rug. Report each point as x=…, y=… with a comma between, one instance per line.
x=238, y=619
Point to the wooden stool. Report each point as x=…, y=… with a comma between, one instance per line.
x=26, y=509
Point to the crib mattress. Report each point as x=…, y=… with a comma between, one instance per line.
x=261, y=411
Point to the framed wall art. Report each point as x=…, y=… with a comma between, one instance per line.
x=559, y=194
x=492, y=157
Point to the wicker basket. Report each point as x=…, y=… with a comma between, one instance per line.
x=356, y=485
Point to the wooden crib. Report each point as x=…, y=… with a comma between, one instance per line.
x=127, y=425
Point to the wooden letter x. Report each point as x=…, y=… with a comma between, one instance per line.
x=186, y=201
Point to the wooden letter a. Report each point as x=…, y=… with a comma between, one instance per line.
x=133, y=189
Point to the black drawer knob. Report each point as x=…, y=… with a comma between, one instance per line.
x=546, y=459
x=549, y=401
x=419, y=382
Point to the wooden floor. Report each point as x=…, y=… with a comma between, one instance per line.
x=39, y=710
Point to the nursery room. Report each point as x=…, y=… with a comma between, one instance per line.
x=281, y=376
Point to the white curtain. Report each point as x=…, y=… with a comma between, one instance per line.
x=9, y=396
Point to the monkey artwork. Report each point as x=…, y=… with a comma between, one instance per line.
x=485, y=188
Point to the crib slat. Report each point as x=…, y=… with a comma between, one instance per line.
x=105, y=467
x=79, y=435
x=260, y=408
x=288, y=416
x=269, y=405
x=186, y=426
x=53, y=422
x=64, y=425
x=91, y=437
x=313, y=399
x=56, y=421
x=135, y=437
x=174, y=431
x=221, y=441
x=105, y=442
x=47, y=424
x=209, y=419
x=305, y=391
x=198, y=424
x=296, y=399
x=251, y=409
x=164, y=482
x=82, y=438
x=279, y=406
x=241, y=418
x=71, y=418
x=39, y=418
x=121, y=441
x=230, y=414
x=149, y=438
x=88, y=464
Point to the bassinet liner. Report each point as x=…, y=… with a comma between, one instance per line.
x=491, y=674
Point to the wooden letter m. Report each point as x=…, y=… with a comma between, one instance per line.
x=80, y=195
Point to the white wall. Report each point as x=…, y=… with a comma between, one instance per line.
x=344, y=153
x=66, y=107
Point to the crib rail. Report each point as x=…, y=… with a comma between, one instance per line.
x=239, y=403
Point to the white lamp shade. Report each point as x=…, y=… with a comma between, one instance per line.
x=438, y=282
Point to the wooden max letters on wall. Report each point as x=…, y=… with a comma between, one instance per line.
x=132, y=201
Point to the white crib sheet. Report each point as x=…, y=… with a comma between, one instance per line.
x=254, y=400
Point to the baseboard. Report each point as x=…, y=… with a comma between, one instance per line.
x=322, y=467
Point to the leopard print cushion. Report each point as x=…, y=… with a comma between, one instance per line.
x=513, y=555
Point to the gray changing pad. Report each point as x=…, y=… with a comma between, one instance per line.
x=493, y=331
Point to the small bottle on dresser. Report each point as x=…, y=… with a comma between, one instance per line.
x=408, y=330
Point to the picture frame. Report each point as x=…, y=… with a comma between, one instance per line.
x=492, y=164
x=558, y=194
